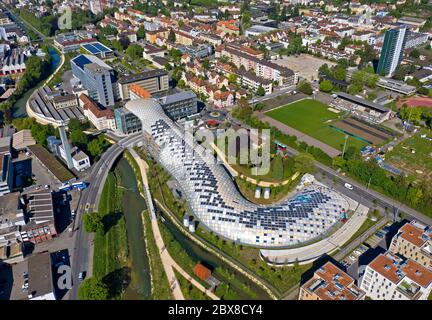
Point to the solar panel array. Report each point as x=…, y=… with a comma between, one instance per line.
x=216, y=202
x=96, y=48
x=45, y=109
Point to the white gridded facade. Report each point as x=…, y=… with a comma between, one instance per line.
x=216, y=202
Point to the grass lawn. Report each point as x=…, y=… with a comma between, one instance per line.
x=313, y=118
x=111, y=246
x=402, y=157
x=161, y=288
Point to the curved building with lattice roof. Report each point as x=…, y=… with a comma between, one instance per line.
x=215, y=200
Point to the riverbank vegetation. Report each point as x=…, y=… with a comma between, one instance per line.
x=110, y=243
x=37, y=69
x=160, y=284
x=190, y=292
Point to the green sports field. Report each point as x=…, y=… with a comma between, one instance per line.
x=313, y=118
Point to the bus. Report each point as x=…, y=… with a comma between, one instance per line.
x=65, y=188
x=80, y=185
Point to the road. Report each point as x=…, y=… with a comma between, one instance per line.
x=89, y=201
x=363, y=194
x=25, y=25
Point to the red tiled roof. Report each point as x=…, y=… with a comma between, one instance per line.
x=95, y=108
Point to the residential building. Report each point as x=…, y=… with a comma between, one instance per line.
x=228, y=27
x=41, y=282
x=80, y=160
x=392, y=51
x=414, y=241
x=96, y=77
x=6, y=170
x=154, y=81
x=389, y=277
x=252, y=82
x=102, y=118
x=330, y=283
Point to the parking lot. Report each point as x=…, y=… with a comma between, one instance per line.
x=306, y=65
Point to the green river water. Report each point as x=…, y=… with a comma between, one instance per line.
x=133, y=206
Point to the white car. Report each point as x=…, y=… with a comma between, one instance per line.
x=348, y=186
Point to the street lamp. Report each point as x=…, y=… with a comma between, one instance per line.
x=343, y=152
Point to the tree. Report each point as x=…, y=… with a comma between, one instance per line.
x=245, y=20
x=116, y=45
x=305, y=87
x=260, y=91
x=93, y=289
x=326, y=86
x=141, y=33
x=232, y=78
x=78, y=137
x=304, y=163
x=339, y=73
x=415, y=54
x=171, y=36
x=206, y=64
x=135, y=51
x=95, y=148
x=353, y=89
x=93, y=222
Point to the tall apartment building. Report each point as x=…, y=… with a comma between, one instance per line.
x=389, y=277
x=96, y=77
x=330, y=283
x=392, y=51
x=6, y=170
x=154, y=81
x=414, y=241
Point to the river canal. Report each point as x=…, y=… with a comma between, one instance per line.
x=19, y=108
x=133, y=206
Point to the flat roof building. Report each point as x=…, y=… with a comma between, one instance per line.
x=96, y=77
x=414, y=241
x=330, y=283
x=154, y=81
x=41, y=282
x=389, y=277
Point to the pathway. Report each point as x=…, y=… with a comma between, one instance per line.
x=168, y=262
x=225, y=258
x=235, y=173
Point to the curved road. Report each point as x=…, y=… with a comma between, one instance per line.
x=89, y=201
